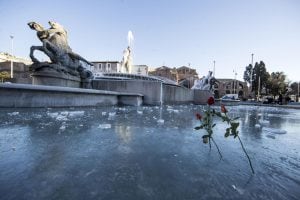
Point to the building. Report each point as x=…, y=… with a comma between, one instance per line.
x=5, y=57
x=115, y=67
x=230, y=86
x=140, y=69
x=105, y=67
x=184, y=76
x=164, y=71
x=21, y=73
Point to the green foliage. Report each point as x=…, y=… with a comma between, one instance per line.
x=4, y=75
x=247, y=74
x=259, y=72
x=277, y=83
x=294, y=88
x=274, y=83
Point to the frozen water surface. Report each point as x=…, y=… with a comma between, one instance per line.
x=146, y=153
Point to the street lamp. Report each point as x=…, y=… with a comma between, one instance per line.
x=251, y=74
x=298, y=91
x=11, y=60
x=214, y=71
x=234, y=83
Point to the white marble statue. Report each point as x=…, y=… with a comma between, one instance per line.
x=126, y=62
x=206, y=83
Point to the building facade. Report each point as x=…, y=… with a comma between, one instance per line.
x=140, y=69
x=230, y=86
x=184, y=76
x=164, y=71
x=21, y=73
x=105, y=67
x=100, y=67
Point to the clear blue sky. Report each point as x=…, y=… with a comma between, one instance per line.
x=169, y=32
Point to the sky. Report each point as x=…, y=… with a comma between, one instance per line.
x=173, y=33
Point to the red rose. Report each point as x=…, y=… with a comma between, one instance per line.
x=210, y=101
x=198, y=116
x=223, y=109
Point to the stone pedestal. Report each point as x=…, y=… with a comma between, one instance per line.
x=201, y=96
x=50, y=76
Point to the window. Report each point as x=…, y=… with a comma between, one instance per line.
x=228, y=86
x=241, y=86
x=108, y=67
x=100, y=67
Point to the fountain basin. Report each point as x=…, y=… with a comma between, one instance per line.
x=146, y=153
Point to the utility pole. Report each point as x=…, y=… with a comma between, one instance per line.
x=11, y=61
x=251, y=74
x=298, y=91
x=234, y=83
x=214, y=70
x=258, y=92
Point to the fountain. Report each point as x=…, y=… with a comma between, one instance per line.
x=206, y=83
x=59, y=82
x=155, y=90
x=126, y=63
x=66, y=68
x=64, y=81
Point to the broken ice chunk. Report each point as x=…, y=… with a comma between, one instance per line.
x=104, y=126
x=161, y=121
x=257, y=126
x=13, y=113
x=112, y=114
x=140, y=112
x=76, y=113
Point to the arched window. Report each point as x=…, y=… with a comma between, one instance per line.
x=228, y=86
x=217, y=96
x=241, y=93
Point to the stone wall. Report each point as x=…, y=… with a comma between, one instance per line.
x=151, y=90
x=177, y=95
x=24, y=95
x=201, y=96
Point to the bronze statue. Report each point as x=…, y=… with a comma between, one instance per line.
x=56, y=47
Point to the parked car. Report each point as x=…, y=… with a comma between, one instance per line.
x=268, y=100
x=233, y=97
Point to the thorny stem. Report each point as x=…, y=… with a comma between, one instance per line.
x=246, y=154
x=217, y=147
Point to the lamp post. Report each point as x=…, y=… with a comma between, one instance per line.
x=214, y=70
x=11, y=60
x=251, y=73
x=258, y=91
x=234, y=83
x=298, y=91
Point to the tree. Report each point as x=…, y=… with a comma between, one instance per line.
x=4, y=75
x=259, y=72
x=261, y=77
x=277, y=83
x=247, y=74
x=294, y=88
